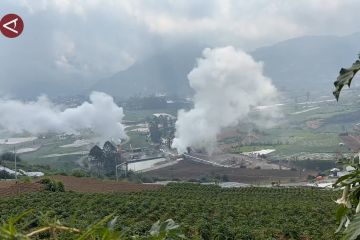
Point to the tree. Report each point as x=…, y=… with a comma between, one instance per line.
x=104, y=160
x=162, y=127
x=96, y=158
x=155, y=134
x=111, y=157
x=168, y=129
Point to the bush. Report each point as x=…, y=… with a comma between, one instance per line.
x=52, y=185
x=45, y=181
x=60, y=186
x=25, y=179
x=6, y=175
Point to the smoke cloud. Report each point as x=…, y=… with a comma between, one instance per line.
x=228, y=84
x=101, y=115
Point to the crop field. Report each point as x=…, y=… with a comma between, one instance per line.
x=290, y=141
x=137, y=139
x=203, y=212
x=307, y=131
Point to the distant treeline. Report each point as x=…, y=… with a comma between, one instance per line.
x=154, y=102
x=317, y=165
x=9, y=156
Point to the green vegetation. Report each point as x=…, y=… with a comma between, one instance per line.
x=137, y=140
x=348, y=212
x=6, y=175
x=51, y=228
x=50, y=153
x=162, y=127
x=319, y=165
x=288, y=141
x=142, y=115
x=203, y=212
x=9, y=156
x=64, y=163
x=53, y=185
x=103, y=161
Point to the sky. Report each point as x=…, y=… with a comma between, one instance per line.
x=67, y=45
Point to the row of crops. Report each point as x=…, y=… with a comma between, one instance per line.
x=203, y=212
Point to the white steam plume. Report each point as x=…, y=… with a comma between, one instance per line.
x=228, y=84
x=101, y=115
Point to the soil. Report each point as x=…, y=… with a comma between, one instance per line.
x=11, y=188
x=84, y=185
x=352, y=142
x=90, y=185
x=187, y=170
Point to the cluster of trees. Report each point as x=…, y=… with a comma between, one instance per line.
x=7, y=156
x=162, y=129
x=103, y=161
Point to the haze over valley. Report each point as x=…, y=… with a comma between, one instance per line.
x=164, y=119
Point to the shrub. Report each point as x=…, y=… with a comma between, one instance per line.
x=26, y=179
x=60, y=186
x=45, y=181
x=6, y=175
x=53, y=185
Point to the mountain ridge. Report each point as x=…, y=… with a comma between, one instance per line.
x=308, y=63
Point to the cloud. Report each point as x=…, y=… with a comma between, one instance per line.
x=74, y=43
x=228, y=84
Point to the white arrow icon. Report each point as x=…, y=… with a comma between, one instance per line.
x=6, y=25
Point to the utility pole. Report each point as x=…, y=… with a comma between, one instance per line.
x=15, y=163
x=120, y=165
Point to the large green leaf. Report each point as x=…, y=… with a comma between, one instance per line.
x=353, y=230
x=345, y=77
x=346, y=178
